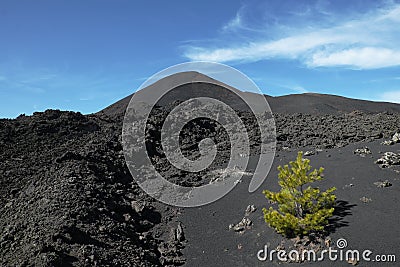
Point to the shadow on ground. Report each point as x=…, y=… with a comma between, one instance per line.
x=342, y=209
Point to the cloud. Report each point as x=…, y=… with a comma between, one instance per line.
x=234, y=23
x=300, y=89
x=238, y=24
x=369, y=41
x=391, y=96
x=362, y=58
x=289, y=47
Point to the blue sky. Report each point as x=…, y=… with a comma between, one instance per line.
x=85, y=55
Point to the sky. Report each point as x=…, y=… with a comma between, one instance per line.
x=85, y=55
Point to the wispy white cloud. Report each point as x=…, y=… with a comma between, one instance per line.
x=369, y=41
x=300, y=89
x=238, y=24
x=289, y=47
x=391, y=96
x=362, y=58
x=234, y=23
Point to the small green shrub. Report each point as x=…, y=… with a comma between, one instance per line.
x=301, y=209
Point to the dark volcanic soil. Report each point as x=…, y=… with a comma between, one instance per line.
x=67, y=198
x=369, y=225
